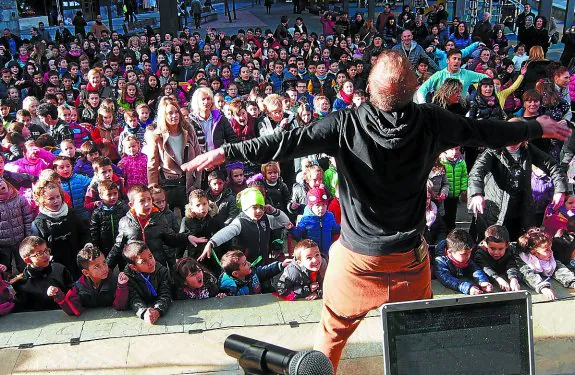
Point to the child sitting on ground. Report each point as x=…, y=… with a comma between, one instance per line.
x=557, y=219
x=497, y=260
x=103, y=171
x=199, y=221
x=149, y=292
x=97, y=287
x=6, y=294
x=41, y=273
x=251, y=229
x=538, y=265
x=304, y=277
x=193, y=282
x=317, y=223
x=453, y=261
x=240, y=278
x=106, y=216
x=564, y=244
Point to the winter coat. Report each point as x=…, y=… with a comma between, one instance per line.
x=99, y=134
x=277, y=194
x=416, y=52
x=60, y=131
x=16, y=218
x=440, y=185
x=316, y=228
x=480, y=110
x=227, y=206
x=568, y=40
x=65, y=236
x=298, y=195
x=456, y=173
x=24, y=166
x=32, y=285
x=140, y=298
x=251, y=236
x=155, y=234
x=162, y=163
x=205, y=227
x=92, y=194
x=325, y=87
x=6, y=298
x=505, y=266
x=83, y=294
x=491, y=176
x=134, y=169
x=537, y=281
x=572, y=88
x=542, y=191
x=139, y=132
x=222, y=132
x=563, y=247
x=253, y=282
x=77, y=186
x=296, y=280
x=451, y=275
x=104, y=224
x=536, y=37
x=460, y=41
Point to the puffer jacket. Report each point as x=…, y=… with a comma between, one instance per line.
x=320, y=229
x=227, y=207
x=104, y=224
x=572, y=87
x=139, y=295
x=480, y=110
x=222, y=132
x=451, y=275
x=296, y=281
x=16, y=218
x=505, y=266
x=134, y=167
x=24, y=166
x=440, y=185
x=277, y=194
x=76, y=186
x=491, y=175
x=456, y=173
x=253, y=282
x=155, y=234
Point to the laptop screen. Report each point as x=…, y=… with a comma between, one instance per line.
x=477, y=338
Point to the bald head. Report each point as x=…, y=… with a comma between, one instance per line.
x=391, y=82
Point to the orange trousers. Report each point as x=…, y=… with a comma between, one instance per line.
x=354, y=284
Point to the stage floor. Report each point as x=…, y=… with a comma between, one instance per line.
x=190, y=338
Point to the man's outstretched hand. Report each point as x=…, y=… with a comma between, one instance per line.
x=553, y=129
x=208, y=160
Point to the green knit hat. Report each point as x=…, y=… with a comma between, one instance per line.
x=250, y=197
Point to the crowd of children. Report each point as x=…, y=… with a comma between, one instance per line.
x=78, y=120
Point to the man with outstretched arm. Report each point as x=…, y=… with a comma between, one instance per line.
x=384, y=152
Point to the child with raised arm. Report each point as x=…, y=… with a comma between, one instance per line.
x=304, y=277
x=106, y=216
x=251, y=229
x=41, y=273
x=496, y=258
x=538, y=265
x=453, y=262
x=149, y=292
x=97, y=287
x=317, y=223
x=194, y=282
x=240, y=278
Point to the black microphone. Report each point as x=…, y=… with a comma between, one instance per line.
x=258, y=357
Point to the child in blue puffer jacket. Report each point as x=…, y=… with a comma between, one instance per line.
x=74, y=184
x=317, y=223
x=453, y=262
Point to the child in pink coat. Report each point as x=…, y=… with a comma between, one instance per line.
x=35, y=160
x=134, y=162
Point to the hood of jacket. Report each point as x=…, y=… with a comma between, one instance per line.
x=390, y=130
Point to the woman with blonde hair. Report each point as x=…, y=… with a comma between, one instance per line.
x=172, y=144
x=536, y=68
x=211, y=126
x=449, y=96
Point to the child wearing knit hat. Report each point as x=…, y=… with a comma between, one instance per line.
x=251, y=229
x=317, y=223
